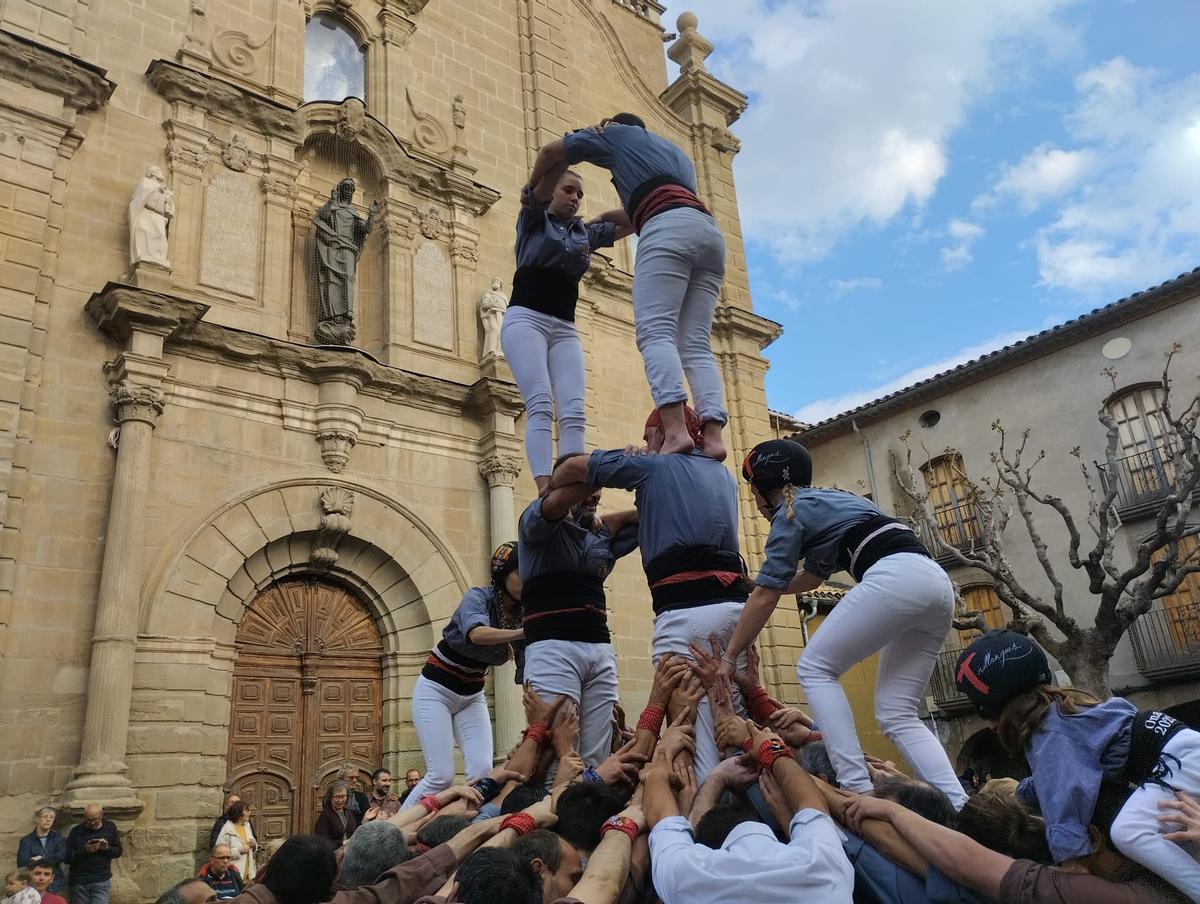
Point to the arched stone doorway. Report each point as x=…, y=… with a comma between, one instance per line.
x=307, y=693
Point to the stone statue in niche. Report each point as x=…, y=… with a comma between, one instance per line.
x=492, y=306
x=340, y=234
x=150, y=212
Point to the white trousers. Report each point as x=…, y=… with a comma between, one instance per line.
x=674, y=631
x=903, y=608
x=1136, y=832
x=441, y=718
x=585, y=672
x=676, y=279
x=547, y=362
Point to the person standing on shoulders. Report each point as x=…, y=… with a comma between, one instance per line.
x=92, y=846
x=42, y=844
x=678, y=272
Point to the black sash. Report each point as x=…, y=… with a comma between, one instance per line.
x=455, y=671
x=699, y=590
x=882, y=545
x=1150, y=734
x=565, y=605
x=545, y=290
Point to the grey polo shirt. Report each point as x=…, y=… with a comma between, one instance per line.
x=543, y=240
x=682, y=499
x=633, y=156
x=479, y=607
x=814, y=533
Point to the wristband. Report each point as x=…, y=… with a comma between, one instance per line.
x=591, y=775
x=622, y=824
x=431, y=803
x=769, y=751
x=488, y=788
x=652, y=719
x=760, y=704
x=539, y=732
x=521, y=823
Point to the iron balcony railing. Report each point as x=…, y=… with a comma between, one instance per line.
x=941, y=683
x=1166, y=642
x=1141, y=480
x=959, y=526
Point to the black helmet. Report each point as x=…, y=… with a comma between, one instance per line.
x=504, y=560
x=776, y=463
x=997, y=667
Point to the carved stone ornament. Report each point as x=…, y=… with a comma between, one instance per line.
x=464, y=252
x=432, y=224
x=351, y=118
x=336, y=505
x=460, y=112
x=238, y=52
x=196, y=40
x=236, y=154
x=428, y=134
x=280, y=186
x=136, y=402
x=500, y=470
x=335, y=448
x=187, y=159
x=692, y=48
x=82, y=86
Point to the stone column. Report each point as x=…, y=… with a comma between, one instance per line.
x=135, y=381
x=501, y=473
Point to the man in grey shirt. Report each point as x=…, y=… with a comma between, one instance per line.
x=688, y=535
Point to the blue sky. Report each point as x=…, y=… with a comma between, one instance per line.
x=922, y=182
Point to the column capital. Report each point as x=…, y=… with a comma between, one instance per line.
x=500, y=470
x=136, y=402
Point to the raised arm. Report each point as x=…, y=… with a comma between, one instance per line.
x=571, y=471
x=561, y=499
x=551, y=161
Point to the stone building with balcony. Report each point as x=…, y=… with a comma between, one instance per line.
x=1051, y=383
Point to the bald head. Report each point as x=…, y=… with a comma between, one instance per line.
x=93, y=815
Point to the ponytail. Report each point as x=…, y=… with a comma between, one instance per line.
x=1023, y=714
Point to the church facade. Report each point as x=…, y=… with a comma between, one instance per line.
x=228, y=536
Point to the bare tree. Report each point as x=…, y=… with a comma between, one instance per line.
x=1122, y=594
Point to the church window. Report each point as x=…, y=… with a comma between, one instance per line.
x=334, y=61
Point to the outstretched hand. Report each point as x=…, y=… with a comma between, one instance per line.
x=621, y=766
x=708, y=663
x=667, y=674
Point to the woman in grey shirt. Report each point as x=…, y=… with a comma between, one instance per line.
x=554, y=248
x=448, y=702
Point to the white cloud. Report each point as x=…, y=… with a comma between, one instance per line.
x=822, y=409
x=1043, y=174
x=963, y=235
x=1138, y=222
x=855, y=284
x=854, y=102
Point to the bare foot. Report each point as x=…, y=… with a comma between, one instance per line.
x=677, y=442
x=714, y=443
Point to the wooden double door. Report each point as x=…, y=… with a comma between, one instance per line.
x=307, y=698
